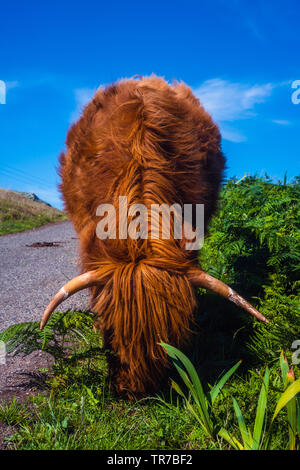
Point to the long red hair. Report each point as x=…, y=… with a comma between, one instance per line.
x=155, y=144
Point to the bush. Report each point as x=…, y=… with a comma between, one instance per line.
x=252, y=245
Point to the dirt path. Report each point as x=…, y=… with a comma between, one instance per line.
x=33, y=266
x=31, y=275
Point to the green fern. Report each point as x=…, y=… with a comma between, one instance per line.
x=253, y=244
x=56, y=337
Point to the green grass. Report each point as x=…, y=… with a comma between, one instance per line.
x=79, y=410
x=17, y=213
x=13, y=413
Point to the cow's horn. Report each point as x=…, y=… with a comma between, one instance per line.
x=78, y=283
x=200, y=278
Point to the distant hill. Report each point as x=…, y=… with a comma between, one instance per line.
x=32, y=197
x=23, y=211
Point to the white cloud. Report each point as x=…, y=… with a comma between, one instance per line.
x=82, y=97
x=228, y=102
x=228, y=133
x=11, y=85
x=281, y=122
x=4, y=88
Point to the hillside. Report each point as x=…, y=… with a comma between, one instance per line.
x=18, y=213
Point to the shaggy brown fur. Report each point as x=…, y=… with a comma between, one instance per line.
x=153, y=143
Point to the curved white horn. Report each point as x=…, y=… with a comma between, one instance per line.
x=200, y=278
x=78, y=283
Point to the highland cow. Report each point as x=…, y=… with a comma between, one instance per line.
x=155, y=144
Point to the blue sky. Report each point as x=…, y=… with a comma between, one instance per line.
x=240, y=58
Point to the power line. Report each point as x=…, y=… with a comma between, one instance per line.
x=24, y=177
x=22, y=180
x=35, y=178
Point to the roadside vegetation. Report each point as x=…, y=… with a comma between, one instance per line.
x=17, y=213
x=238, y=385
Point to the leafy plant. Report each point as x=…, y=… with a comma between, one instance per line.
x=260, y=439
x=56, y=337
x=203, y=409
x=293, y=405
x=202, y=406
x=250, y=440
x=253, y=244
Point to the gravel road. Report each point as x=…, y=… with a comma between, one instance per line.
x=30, y=276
